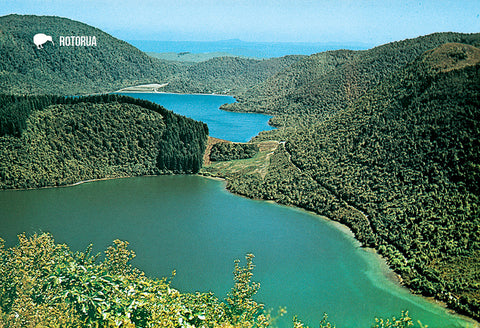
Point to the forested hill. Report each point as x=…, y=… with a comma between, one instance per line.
x=110, y=65
x=324, y=83
x=53, y=141
x=70, y=70
x=227, y=75
x=400, y=166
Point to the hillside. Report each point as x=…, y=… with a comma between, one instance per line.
x=227, y=75
x=70, y=70
x=407, y=156
x=53, y=141
x=399, y=166
x=322, y=84
x=383, y=140
x=110, y=65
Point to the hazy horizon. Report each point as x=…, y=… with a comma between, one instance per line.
x=343, y=21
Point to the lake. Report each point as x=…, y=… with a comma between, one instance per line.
x=236, y=127
x=191, y=224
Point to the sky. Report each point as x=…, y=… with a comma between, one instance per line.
x=371, y=22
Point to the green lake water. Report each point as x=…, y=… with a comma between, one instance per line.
x=193, y=225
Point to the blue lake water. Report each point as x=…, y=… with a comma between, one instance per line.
x=236, y=127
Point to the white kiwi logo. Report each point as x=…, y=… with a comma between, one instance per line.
x=65, y=41
x=40, y=39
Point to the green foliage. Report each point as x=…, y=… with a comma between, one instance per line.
x=322, y=84
x=384, y=140
x=398, y=166
x=403, y=322
x=404, y=158
x=324, y=323
x=117, y=258
x=226, y=75
x=65, y=140
x=44, y=284
x=15, y=110
x=40, y=279
x=225, y=151
x=241, y=306
x=110, y=65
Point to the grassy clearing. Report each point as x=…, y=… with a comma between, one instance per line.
x=259, y=164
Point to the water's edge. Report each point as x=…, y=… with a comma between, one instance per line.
x=379, y=266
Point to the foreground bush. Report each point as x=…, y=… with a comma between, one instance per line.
x=44, y=284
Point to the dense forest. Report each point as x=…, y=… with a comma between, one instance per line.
x=112, y=64
x=399, y=166
x=322, y=84
x=227, y=75
x=109, y=66
x=226, y=151
x=52, y=140
x=383, y=140
x=407, y=156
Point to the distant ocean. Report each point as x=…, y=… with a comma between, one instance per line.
x=243, y=48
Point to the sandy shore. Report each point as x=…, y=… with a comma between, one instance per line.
x=144, y=88
x=93, y=180
x=155, y=87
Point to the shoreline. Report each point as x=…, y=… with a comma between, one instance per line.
x=155, y=88
x=381, y=262
x=76, y=183
x=380, y=265
x=390, y=274
x=177, y=93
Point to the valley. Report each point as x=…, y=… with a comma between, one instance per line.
x=384, y=141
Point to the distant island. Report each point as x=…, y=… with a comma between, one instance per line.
x=190, y=57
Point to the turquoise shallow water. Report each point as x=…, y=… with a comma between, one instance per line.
x=193, y=225
x=237, y=127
